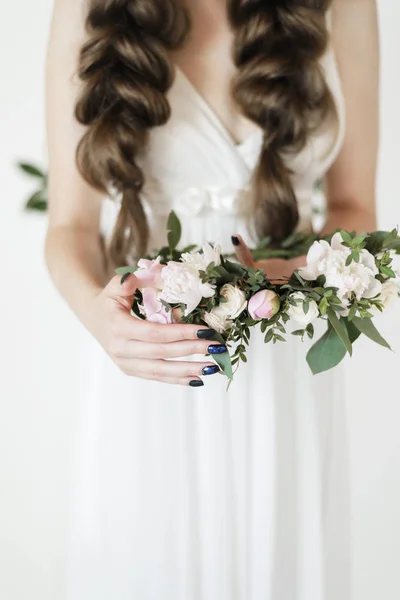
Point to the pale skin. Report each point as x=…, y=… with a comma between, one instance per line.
x=74, y=252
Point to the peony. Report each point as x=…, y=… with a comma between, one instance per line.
x=263, y=305
x=297, y=312
x=182, y=284
x=153, y=309
x=149, y=273
x=217, y=319
x=388, y=296
x=329, y=260
x=200, y=261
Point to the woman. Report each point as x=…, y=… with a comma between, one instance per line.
x=228, y=112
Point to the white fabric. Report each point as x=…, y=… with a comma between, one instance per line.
x=199, y=494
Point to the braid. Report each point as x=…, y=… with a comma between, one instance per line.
x=279, y=85
x=126, y=73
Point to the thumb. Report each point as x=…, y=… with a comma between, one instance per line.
x=122, y=289
x=242, y=251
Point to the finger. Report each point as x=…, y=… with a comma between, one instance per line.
x=134, y=328
x=242, y=251
x=122, y=289
x=182, y=381
x=156, y=369
x=134, y=349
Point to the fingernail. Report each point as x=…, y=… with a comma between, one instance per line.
x=217, y=349
x=210, y=370
x=196, y=383
x=205, y=334
x=125, y=277
x=235, y=240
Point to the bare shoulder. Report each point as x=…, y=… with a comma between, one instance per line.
x=355, y=41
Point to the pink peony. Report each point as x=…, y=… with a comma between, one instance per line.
x=263, y=305
x=153, y=309
x=149, y=273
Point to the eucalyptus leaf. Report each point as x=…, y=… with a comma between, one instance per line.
x=326, y=353
x=125, y=270
x=367, y=327
x=340, y=329
x=37, y=201
x=224, y=362
x=31, y=170
x=174, y=230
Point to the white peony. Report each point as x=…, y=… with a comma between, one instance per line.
x=217, y=319
x=330, y=260
x=388, y=296
x=220, y=317
x=297, y=312
x=183, y=284
x=200, y=261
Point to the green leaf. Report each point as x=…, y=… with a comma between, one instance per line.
x=367, y=327
x=352, y=330
x=326, y=353
x=388, y=271
x=310, y=330
x=340, y=329
x=125, y=270
x=31, y=170
x=224, y=362
x=269, y=335
x=37, y=201
x=346, y=237
x=174, y=230
x=217, y=337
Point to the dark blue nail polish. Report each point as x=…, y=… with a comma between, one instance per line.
x=205, y=334
x=196, y=383
x=235, y=240
x=210, y=370
x=217, y=349
x=125, y=277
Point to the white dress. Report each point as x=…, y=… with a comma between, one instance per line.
x=199, y=494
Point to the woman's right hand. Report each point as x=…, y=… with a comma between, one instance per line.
x=141, y=348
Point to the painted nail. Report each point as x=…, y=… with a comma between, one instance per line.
x=205, y=334
x=125, y=277
x=210, y=370
x=217, y=349
x=196, y=383
x=235, y=240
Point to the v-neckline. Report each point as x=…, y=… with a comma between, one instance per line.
x=211, y=112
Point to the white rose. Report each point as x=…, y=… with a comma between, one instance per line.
x=297, y=312
x=235, y=300
x=330, y=260
x=217, y=319
x=388, y=296
x=182, y=284
x=220, y=317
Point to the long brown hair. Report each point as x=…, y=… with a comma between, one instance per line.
x=125, y=72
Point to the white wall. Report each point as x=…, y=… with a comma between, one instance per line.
x=39, y=337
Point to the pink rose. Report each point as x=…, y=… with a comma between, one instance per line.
x=149, y=273
x=263, y=305
x=153, y=309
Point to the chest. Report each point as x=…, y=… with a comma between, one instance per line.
x=206, y=62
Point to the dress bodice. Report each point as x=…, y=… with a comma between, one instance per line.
x=193, y=166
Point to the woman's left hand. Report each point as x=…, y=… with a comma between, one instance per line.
x=275, y=268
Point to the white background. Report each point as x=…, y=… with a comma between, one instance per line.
x=39, y=369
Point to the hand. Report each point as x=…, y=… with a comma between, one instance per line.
x=276, y=269
x=140, y=348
